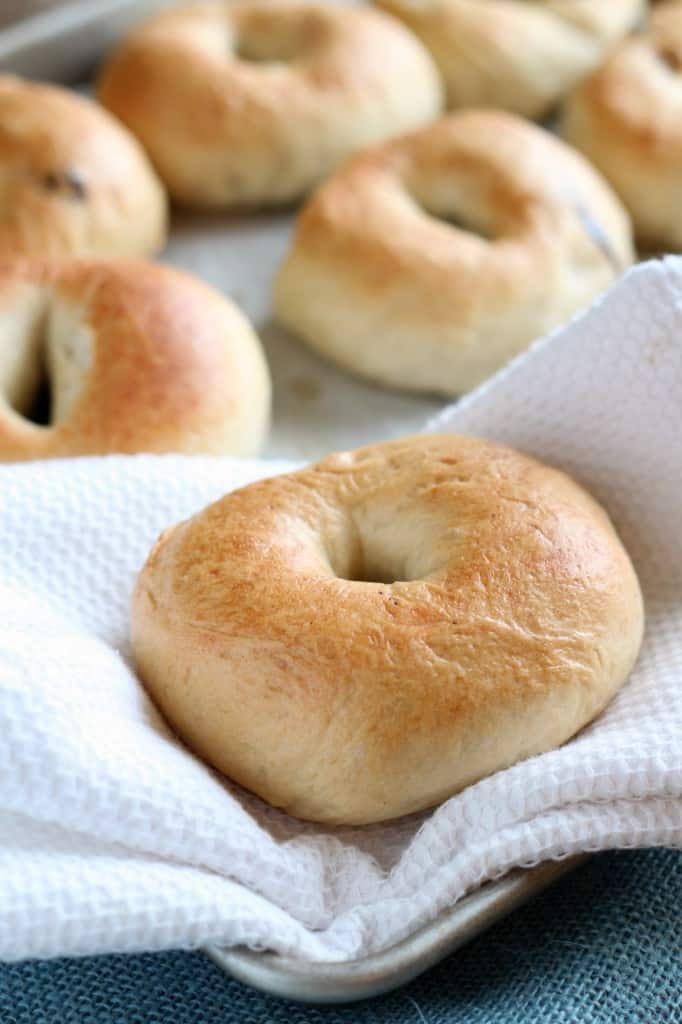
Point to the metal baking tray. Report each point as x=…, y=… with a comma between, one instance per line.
x=373, y=975
x=63, y=39
x=317, y=408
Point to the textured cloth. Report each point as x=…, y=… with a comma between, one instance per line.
x=601, y=947
x=114, y=838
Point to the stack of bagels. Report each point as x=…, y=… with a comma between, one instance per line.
x=363, y=638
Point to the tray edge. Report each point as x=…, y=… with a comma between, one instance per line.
x=349, y=981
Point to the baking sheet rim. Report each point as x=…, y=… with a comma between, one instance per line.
x=378, y=973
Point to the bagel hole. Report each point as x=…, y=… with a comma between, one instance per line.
x=367, y=572
x=444, y=201
x=34, y=403
x=259, y=54
x=39, y=410
x=379, y=546
x=24, y=382
x=456, y=221
x=31, y=393
x=44, y=354
x=263, y=47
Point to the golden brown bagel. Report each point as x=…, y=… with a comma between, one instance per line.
x=363, y=638
x=513, y=54
x=137, y=358
x=627, y=119
x=73, y=181
x=427, y=262
x=255, y=101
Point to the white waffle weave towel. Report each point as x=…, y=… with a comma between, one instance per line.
x=114, y=838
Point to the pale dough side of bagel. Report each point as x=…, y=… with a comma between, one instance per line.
x=261, y=632
x=142, y=358
x=384, y=288
x=627, y=119
x=517, y=56
x=225, y=130
x=73, y=180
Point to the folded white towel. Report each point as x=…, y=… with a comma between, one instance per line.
x=114, y=838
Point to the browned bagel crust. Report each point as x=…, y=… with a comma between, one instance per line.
x=627, y=119
x=514, y=54
x=142, y=358
x=259, y=632
x=255, y=101
x=427, y=262
x=73, y=180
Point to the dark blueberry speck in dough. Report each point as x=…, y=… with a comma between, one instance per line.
x=69, y=181
x=50, y=182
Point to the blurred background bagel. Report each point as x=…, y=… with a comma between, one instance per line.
x=101, y=356
x=427, y=262
x=627, y=119
x=512, y=54
x=255, y=101
x=73, y=180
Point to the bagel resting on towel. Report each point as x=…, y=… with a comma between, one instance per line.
x=362, y=638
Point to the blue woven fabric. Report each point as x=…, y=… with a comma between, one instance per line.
x=604, y=945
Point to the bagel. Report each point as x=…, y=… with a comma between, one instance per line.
x=512, y=54
x=104, y=356
x=362, y=638
x=627, y=119
x=73, y=181
x=427, y=262
x=255, y=101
